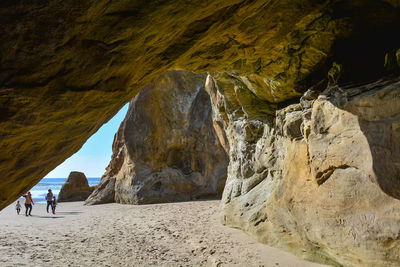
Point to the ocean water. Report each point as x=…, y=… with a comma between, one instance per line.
x=39, y=191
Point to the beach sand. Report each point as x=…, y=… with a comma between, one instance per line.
x=173, y=234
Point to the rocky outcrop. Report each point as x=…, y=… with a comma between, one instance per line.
x=66, y=67
x=166, y=149
x=321, y=178
x=75, y=188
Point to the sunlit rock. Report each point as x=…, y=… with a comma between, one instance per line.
x=322, y=181
x=314, y=173
x=66, y=67
x=166, y=148
x=75, y=188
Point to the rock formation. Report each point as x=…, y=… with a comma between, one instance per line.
x=75, y=188
x=166, y=148
x=315, y=173
x=66, y=67
x=322, y=177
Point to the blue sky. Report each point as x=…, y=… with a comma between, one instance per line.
x=95, y=154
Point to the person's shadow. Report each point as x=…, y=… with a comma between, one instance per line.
x=69, y=212
x=58, y=215
x=48, y=217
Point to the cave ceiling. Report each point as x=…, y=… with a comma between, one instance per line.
x=66, y=67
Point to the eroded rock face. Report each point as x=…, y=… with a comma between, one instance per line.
x=320, y=179
x=166, y=148
x=66, y=67
x=75, y=188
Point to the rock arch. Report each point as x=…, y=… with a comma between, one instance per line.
x=66, y=67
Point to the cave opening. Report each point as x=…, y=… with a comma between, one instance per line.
x=310, y=140
x=91, y=160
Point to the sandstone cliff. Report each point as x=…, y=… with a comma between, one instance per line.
x=166, y=148
x=321, y=178
x=75, y=188
x=317, y=175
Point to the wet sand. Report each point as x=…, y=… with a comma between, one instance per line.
x=173, y=234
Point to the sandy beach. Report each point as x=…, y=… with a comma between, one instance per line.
x=173, y=234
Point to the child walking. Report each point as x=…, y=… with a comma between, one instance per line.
x=18, y=207
x=53, y=205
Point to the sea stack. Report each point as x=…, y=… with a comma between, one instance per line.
x=75, y=188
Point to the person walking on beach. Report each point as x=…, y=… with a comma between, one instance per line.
x=49, y=198
x=53, y=205
x=28, y=203
x=18, y=207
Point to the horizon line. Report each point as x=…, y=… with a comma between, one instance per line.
x=64, y=177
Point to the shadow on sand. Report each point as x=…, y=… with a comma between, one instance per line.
x=48, y=217
x=69, y=212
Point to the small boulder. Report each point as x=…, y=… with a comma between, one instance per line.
x=75, y=188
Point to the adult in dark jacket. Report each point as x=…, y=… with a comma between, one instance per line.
x=49, y=198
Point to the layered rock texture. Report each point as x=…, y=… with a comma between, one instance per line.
x=67, y=66
x=75, y=188
x=311, y=170
x=322, y=177
x=166, y=148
